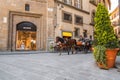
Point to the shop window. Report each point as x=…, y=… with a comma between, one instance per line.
x=26, y=36
x=78, y=20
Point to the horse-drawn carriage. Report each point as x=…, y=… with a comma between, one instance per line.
x=84, y=45
x=67, y=45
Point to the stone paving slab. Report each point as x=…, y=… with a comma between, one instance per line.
x=51, y=66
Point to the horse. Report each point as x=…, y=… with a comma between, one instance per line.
x=71, y=44
x=65, y=44
x=60, y=45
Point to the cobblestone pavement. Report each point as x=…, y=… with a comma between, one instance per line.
x=51, y=66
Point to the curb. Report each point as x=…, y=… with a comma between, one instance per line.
x=22, y=52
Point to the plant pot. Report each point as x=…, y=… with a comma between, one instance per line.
x=110, y=57
x=100, y=65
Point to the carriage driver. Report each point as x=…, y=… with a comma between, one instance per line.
x=81, y=38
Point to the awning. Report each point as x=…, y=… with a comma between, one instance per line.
x=69, y=34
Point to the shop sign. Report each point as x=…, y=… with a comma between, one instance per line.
x=69, y=34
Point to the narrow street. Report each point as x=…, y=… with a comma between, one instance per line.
x=51, y=66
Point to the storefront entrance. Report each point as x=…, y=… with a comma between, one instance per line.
x=26, y=36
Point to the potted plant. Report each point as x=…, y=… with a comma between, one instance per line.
x=100, y=56
x=105, y=39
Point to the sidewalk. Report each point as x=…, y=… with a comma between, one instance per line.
x=21, y=52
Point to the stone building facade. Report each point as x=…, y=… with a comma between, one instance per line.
x=23, y=25
x=34, y=24
x=72, y=18
x=114, y=16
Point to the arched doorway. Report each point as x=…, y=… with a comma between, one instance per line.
x=26, y=36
